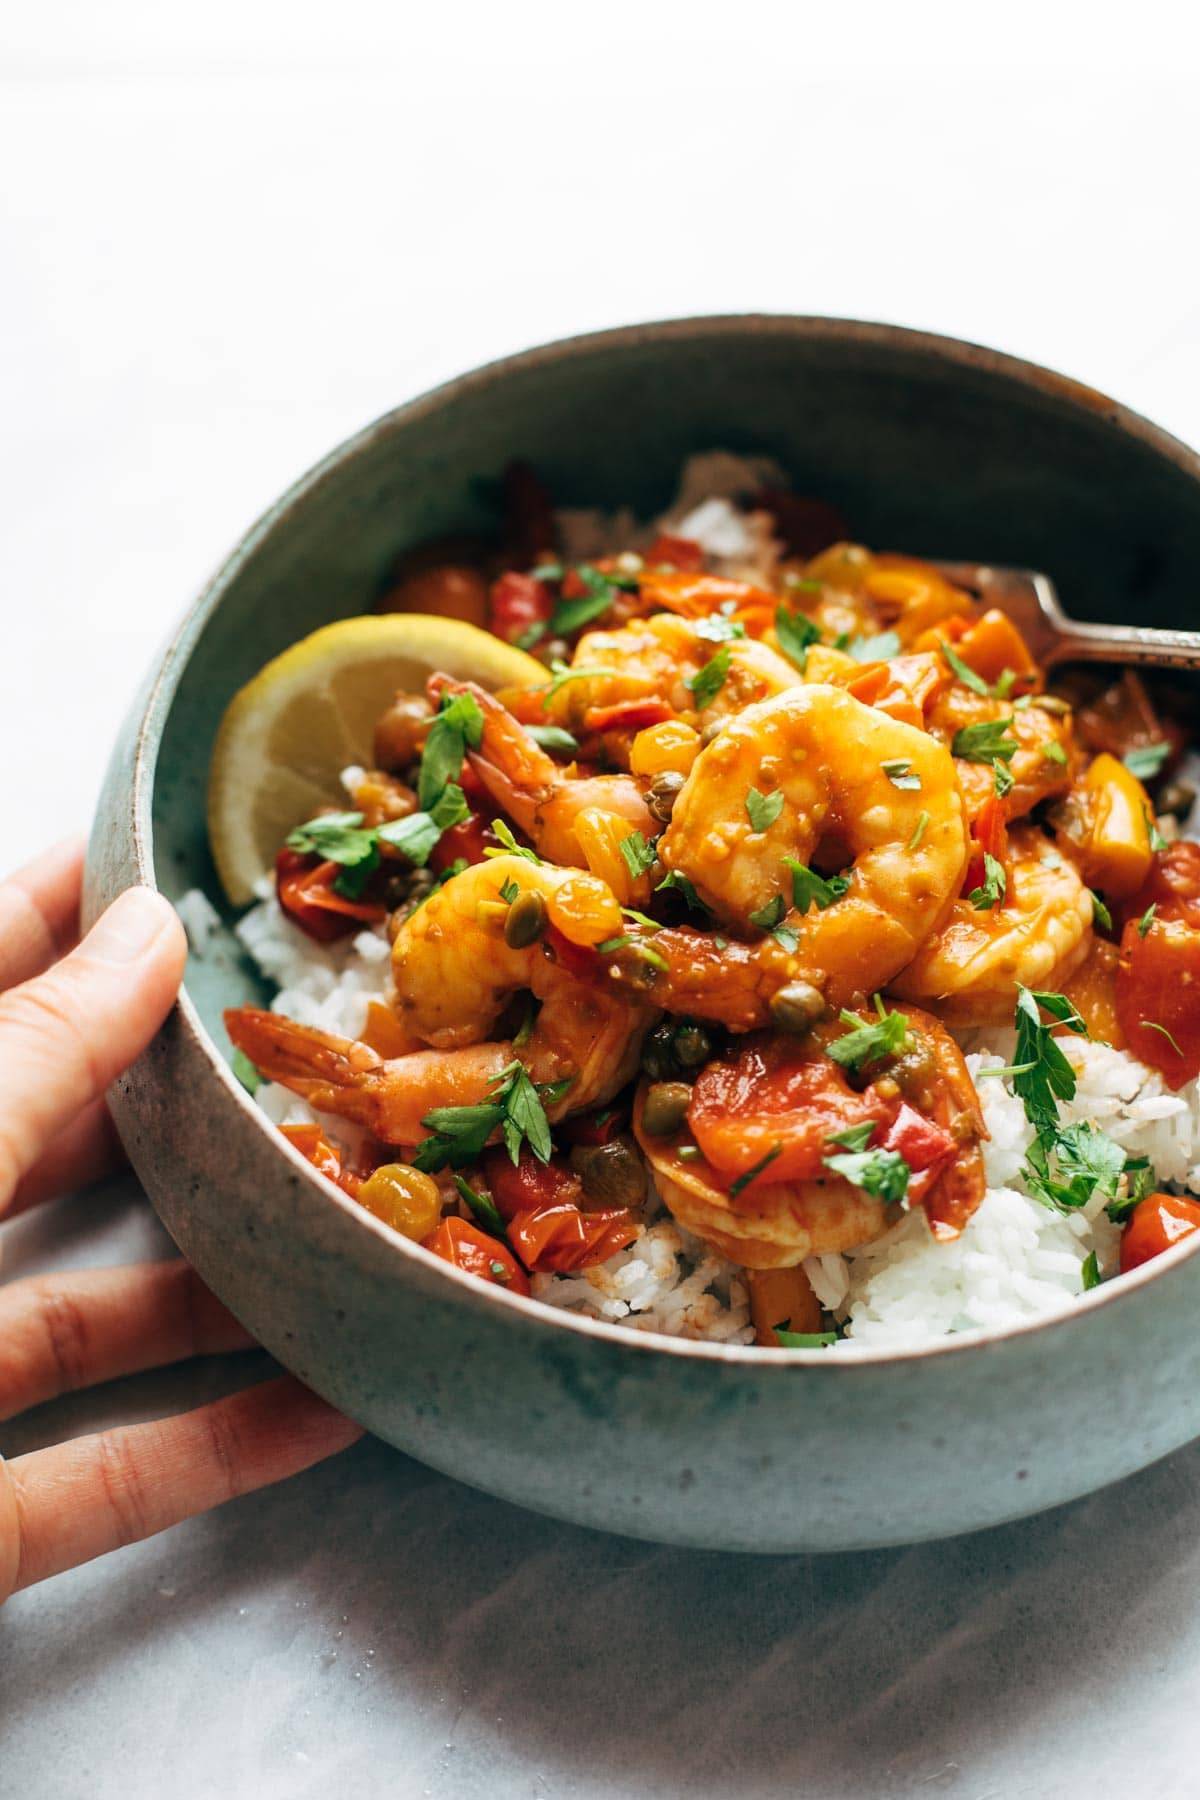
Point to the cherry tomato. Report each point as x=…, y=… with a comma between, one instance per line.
x=516, y=1187
x=628, y=715
x=1172, y=886
x=1158, y=996
x=516, y=602
x=459, y=1242
x=557, y=1238
x=1159, y=1221
x=768, y=1091
x=468, y=841
x=315, y=1147
x=989, y=834
x=307, y=894
x=676, y=553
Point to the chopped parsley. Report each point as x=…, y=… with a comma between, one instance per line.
x=1157, y=840
x=787, y=938
x=987, y=742
x=707, y=682
x=457, y=727
x=509, y=890
x=569, y=615
x=1089, y=1272
x=879, y=648
x=638, y=853
x=416, y=836
x=246, y=1072
x=1052, y=751
x=340, y=838
x=965, y=673
x=1147, y=760
x=885, y=1035
x=1140, y=1180
x=882, y=1173
x=508, y=845
x=994, y=887
x=1147, y=919
x=763, y=809
x=481, y=1204
x=516, y=1109
x=804, y=1340
x=1045, y=1076
x=1153, y=1025
x=718, y=630
x=769, y=916
x=795, y=634
x=1002, y=776
x=855, y=1137
x=900, y=773
x=562, y=672
x=674, y=881
x=553, y=737
x=1100, y=912
x=743, y=1181
x=1064, y=1169
x=808, y=887
x=919, y=830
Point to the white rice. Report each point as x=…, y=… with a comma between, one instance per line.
x=1016, y=1259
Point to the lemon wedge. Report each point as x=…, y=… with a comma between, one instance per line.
x=288, y=734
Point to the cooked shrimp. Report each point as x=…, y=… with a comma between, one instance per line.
x=827, y=756
x=455, y=974
x=1041, y=765
x=968, y=970
x=545, y=799
x=779, y=1097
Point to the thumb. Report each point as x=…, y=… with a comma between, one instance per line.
x=67, y=1035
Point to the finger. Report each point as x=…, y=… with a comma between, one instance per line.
x=63, y=1506
x=86, y=1151
x=65, y=1036
x=62, y=1332
x=39, y=912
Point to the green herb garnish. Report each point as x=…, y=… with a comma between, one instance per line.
x=1147, y=919
x=1153, y=1025
x=768, y=917
x=809, y=888
x=718, y=630
x=965, y=673
x=508, y=845
x=681, y=885
x=707, y=682
x=245, y=1071
x=482, y=1205
x=638, y=853
x=457, y=727
x=743, y=1181
x=919, y=831
x=763, y=809
x=855, y=1137
x=885, y=1035
x=1147, y=760
x=804, y=1340
x=987, y=742
x=900, y=773
x=994, y=888
x=553, y=738
x=1100, y=912
x=879, y=648
x=1089, y=1272
x=883, y=1173
x=795, y=633
x=416, y=836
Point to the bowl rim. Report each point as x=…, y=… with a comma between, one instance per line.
x=164, y=680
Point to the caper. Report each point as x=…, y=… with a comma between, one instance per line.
x=692, y=1045
x=658, y=1054
x=1177, y=798
x=713, y=729
x=663, y=793
x=666, y=1107
x=612, y=1174
x=797, y=1007
x=526, y=920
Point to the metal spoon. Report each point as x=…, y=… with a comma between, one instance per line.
x=1031, y=602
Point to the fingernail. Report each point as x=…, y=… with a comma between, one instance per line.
x=128, y=928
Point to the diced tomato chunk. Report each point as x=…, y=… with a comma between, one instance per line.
x=459, y=1242
x=516, y=602
x=595, y=1128
x=1158, y=996
x=467, y=841
x=307, y=895
x=516, y=1187
x=676, y=553
x=315, y=1147
x=1156, y=1223
x=558, y=1238
x=989, y=833
x=628, y=715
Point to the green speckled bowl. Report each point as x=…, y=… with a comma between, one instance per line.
x=928, y=445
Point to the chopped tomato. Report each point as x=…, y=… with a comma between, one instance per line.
x=468, y=841
x=676, y=553
x=1172, y=886
x=904, y=688
x=517, y=1187
x=1156, y=1223
x=574, y=959
x=516, y=602
x=628, y=715
x=925, y=1147
x=315, y=1147
x=459, y=1242
x=557, y=1238
x=595, y=1128
x=768, y=1092
x=308, y=896
x=695, y=596
x=1158, y=996
x=990, y=834
x=992, y=646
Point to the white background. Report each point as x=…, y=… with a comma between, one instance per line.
x=231, y=234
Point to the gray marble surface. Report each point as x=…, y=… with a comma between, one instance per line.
x=375, y=1628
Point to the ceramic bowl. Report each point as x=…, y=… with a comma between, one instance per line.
x=928, y=445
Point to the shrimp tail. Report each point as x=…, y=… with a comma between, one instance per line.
x=333, y=1074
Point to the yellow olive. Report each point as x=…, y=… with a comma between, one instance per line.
x=404, y=1198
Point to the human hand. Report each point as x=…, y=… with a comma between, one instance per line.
x=71, y=1018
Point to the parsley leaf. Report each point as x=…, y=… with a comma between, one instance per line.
x=509, y=891
x=883, y=1036
x=638, y=853
x=1002, y=776
x=1140, y=1180
x=763, y=809
x=707, y=682
x=482, y=1205
x=1146, y=761
x=855, y=1137
x=879, y=648
x=553, y=737
x=246, y=1072
x=786, y=938
x=795, y=633
x=416, y=836
x=340, y=838
x=900, y=773
x=1065, y=1169
x=1049, y=1077
x=1157, y=840
x=1147, y=919
x=1052, y=751
x=562, y=672
x=743, y=1181
x=804, y=1340
x=809, y=887
x=458, y=725
x=681, y=885
x=965, y=673
x=994, y=888
x=718, y=630
x=1100, y=913
x=986, y=742
x=508, y=845
x=883, y=1173
x=769, y=916
x=515, y=1109
x=1089, y=1271
x=919, y=831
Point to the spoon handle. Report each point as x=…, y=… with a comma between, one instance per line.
x=1139, y=645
